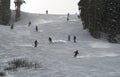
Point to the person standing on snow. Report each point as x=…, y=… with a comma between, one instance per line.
x=36, y=28
x=68, y=16
x=29, y=23
x=46, y=11
x=74, y=38
x=12, y=26
x=50, y=40
x=76, y=53
x=36, y=43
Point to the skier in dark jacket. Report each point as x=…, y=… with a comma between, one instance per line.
x=36, y=28
x=29, y=23
x=74, y=38
x=76, y=53
x=36, y=43
x=68, y=16
x=46, y=11
x=12, y=26
x=50, y=40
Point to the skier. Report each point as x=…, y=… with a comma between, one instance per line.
x=76, y=53
x=74, y=39
x=12, y=26
x=46, y=11
x=68, y=16
x=29, y=23
x=36, y=43
x=68, y=37
x=50, y=40
x=36, y=28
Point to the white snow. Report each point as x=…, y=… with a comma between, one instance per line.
x=97, y=58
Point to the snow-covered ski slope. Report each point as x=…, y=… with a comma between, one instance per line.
x=97, y=58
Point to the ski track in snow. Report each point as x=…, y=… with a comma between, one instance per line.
x=97, y=58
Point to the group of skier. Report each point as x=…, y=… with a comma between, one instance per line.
x=74, y=38
x=49, y=38
x=50, y=41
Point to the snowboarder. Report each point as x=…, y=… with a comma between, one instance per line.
x=50, y=40
x=76, y=53
x=29, y=23
x=74, y=39
x=12, y=26
x=36, y=28
x=68, y=37
x=46, y=11
x=36, y=43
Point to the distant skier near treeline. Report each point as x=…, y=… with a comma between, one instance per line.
x=50, y=40
x=68, y=15
x=36, y=28
x=12, y=26
x=76, y=53
x=46, y=11
x=36, y=43
x=29, y=23
x=74, y=38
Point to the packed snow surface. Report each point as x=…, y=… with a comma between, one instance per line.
x=97, y=58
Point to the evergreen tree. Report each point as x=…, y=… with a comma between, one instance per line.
x=101, y=16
